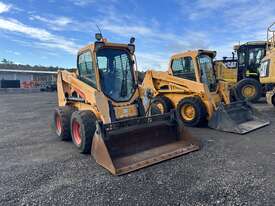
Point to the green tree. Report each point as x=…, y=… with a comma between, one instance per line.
x=4, y=61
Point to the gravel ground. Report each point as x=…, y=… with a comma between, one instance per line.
x=36, y=168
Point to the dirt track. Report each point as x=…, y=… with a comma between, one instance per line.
x=37, y=168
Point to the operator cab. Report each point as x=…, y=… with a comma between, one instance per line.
x=195, y=66
x=250, y=55
x=113, y=64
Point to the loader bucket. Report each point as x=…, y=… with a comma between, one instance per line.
x=238, y=117
x=128, y=145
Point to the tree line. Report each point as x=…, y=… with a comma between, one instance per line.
x=6, y=64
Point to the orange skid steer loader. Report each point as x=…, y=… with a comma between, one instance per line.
x=101, y=110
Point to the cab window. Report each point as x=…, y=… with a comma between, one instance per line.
x=264, y=68
x=102, y=63
x=255, y=56
x=184, y=68
x=241, y=58
x=86, y=69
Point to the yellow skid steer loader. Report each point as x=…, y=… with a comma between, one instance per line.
x=190, y=87
x=101, y=110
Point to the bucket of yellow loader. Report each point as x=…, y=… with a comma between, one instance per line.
x=128, y=145
x=238, y=117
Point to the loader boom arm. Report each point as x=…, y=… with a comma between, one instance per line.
x=67, y=83
x=161, y=82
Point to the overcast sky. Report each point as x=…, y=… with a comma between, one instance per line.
x=50, y=32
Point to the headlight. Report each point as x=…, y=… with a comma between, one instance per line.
x=98, y=36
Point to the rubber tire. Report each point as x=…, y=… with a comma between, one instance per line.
x=65, y=116
x=166, y=103
x=252, y=82
x=199, y=109
x=87, y=121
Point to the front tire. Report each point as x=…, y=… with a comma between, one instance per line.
x=161, y=104
x=249, y=89
x=83, y=126
x=191, y=111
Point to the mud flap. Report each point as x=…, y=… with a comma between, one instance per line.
x=238, y=117
x=128, y=145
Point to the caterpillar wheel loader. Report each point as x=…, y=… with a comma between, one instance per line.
x=242, y=72
x=267, y=67
x=190, y=87
x=100, y=108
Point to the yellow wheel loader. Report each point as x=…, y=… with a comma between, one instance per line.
x=101, y=110
x=242, y=72
x=267, y=67
x=190, y=87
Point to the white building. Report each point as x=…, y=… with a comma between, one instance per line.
x=27, y=75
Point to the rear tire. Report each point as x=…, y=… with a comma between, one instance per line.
x=83, y=126
x=249, y=89
x=62, y=117
x=161, y=104
x=191, y=111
